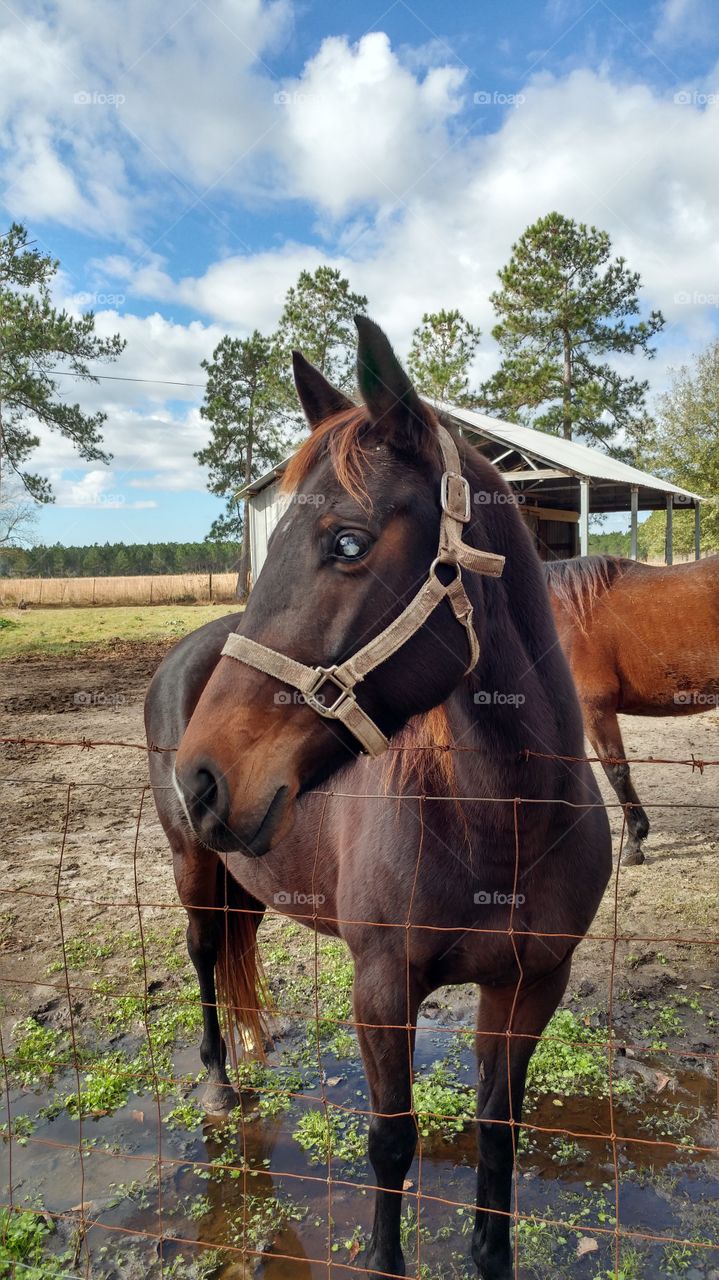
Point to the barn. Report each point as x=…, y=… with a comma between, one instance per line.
x=557, y=483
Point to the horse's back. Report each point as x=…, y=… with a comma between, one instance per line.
x=648, y=642
x=175, y=690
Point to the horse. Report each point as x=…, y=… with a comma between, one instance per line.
x=642, y=640
x=383, y=627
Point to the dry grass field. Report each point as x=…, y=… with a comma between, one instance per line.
x=170, y=588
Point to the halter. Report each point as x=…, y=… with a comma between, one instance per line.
x=455, y=500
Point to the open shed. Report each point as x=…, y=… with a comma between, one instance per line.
x=558, y=484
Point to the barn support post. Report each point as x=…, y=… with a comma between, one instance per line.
x=634, y=544
x=669, y=540
x=584, y=518
x=697, y=531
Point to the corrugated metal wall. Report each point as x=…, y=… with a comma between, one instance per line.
x=266, y=509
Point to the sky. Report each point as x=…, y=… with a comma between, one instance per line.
x=185, y=161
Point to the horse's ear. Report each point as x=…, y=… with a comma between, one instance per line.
x=318, y=397
x=393, y=404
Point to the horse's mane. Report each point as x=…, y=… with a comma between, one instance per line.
x=578, y=583
x=421, y=758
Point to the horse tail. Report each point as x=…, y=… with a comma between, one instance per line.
x=578, y=583
x=242, y=995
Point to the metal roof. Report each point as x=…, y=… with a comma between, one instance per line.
x=567, y=455
x=565, y=463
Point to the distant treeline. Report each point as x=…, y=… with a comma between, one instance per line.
x=118, y=559
x=609, y=544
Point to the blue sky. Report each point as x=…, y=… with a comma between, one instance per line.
x=185, y=161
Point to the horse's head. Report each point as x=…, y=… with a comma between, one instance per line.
x=359, y=544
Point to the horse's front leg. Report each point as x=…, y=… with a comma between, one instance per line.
x=386, y=1022
x=505, y=1043
x=605, y=736
x=197, y=880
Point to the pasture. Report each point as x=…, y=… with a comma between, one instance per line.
x=101, y=1023
x=143, y=589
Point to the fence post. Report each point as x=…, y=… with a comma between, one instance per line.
x=210, y=586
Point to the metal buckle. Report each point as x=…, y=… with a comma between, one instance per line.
x=327, y=675
x=444, y=496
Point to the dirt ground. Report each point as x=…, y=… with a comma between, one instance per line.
x=666, y=910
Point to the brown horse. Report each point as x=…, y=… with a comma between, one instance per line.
x=641, y=640
x=271, y=803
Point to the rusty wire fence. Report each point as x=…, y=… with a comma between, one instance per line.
x=225, y=1241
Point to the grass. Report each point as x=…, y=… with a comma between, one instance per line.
x=23, y=1247
x=324, y=1135
x=63, y=631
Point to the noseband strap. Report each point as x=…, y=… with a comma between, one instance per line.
x=340, y=680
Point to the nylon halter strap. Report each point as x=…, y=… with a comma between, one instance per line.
x=455, y=498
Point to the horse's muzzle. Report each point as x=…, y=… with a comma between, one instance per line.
x=206, y=799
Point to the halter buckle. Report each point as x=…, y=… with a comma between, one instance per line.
x=328, y=675
x=455, y=496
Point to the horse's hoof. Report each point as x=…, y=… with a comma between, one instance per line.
x=220, y=1099
x=378, y=1270
x=632, y=858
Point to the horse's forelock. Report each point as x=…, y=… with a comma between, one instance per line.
x=339, y=438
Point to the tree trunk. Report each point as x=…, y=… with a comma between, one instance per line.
x=243, y=577
x=567, y=388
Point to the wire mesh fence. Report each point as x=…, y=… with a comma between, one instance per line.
x=108, y=1166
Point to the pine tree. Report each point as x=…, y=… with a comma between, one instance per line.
x=248, y=433
x=684, y=445
x=35, y=340
x=440, y=357
x=318, y=320
x=565, y=303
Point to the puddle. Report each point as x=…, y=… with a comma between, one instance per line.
x=295, y=1225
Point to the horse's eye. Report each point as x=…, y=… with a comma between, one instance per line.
x=350, y=546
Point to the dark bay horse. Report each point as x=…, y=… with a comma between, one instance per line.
x=642, y=640
x=270, y=801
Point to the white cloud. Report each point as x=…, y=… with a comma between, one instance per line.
x=96, y=488
x=683, y=22
x=361, y=127
x=418, y=215
x=616, y=155
x=98, y=98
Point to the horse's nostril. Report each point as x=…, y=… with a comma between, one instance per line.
x=205, y=793
x=205, y=789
